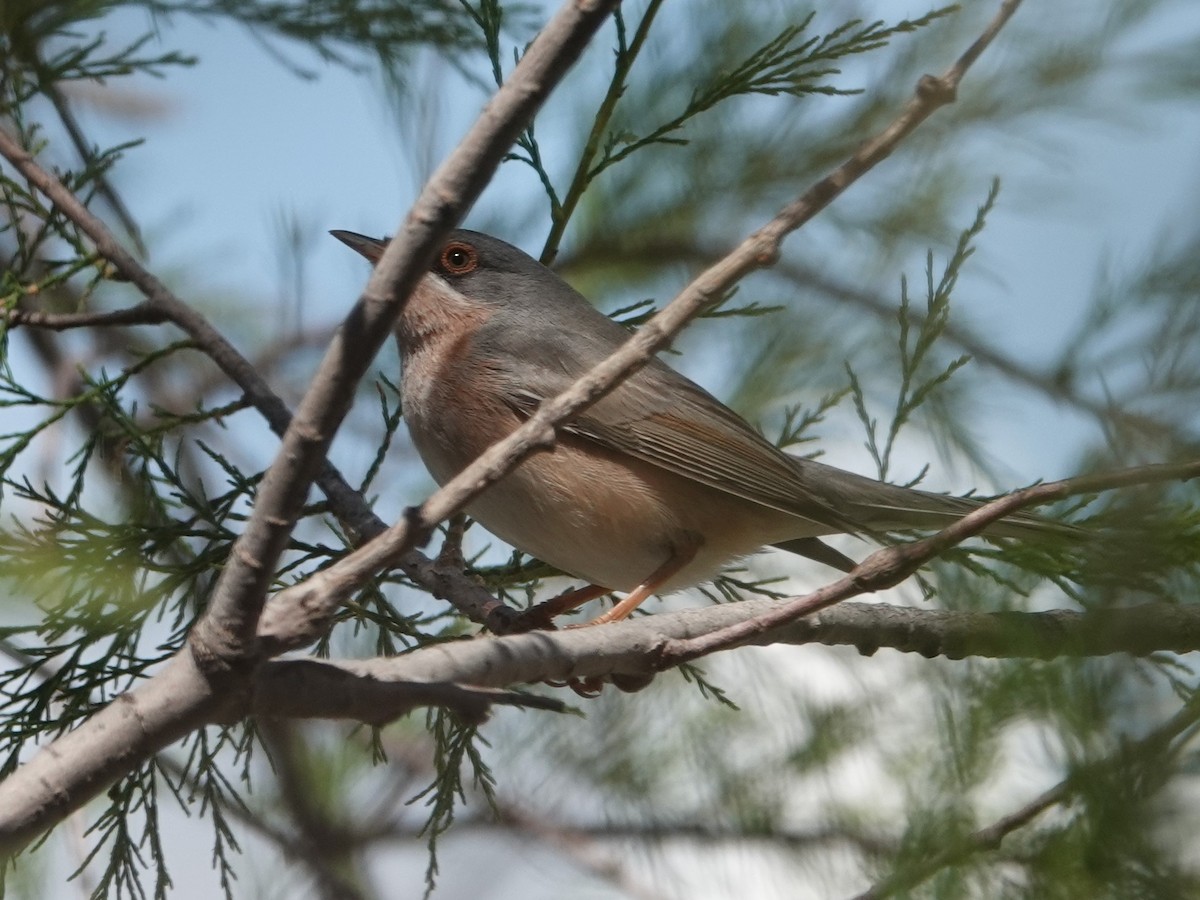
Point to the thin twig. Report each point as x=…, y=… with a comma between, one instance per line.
x=84, y=148
x=988, y=838
x=584, y=172
x=336, y=864
x=1049, y=382
x=581, y=848
x=141, y=314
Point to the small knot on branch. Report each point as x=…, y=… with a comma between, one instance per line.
x=418, y=526
x=930, y=88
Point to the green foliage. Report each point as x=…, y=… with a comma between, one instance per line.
x=790, y=63
x=784, y=65
x=457, y=744
x=134, y=799
x=916, y=387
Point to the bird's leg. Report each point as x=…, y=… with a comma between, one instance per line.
x=570, y=600
x=656, y=579
x=542, y=615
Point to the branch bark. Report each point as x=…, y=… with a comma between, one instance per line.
x=141, y=314
x=324, y=689
x=639, y=647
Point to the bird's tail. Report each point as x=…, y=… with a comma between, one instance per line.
x=878, y=506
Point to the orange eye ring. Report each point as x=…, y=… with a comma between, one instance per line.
x=458, y=258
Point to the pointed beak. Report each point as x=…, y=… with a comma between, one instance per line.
x=371, y=248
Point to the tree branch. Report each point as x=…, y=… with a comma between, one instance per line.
x=350, y=507
x=664, y=641
x=227, y=631
x=84, y=148
x=1050, y=383
x=336, y=864
x=1137, y=630
x=63, y=776
x=141, y=314
x=324, y=689
x=634, y=647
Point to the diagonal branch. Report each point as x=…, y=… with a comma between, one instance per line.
x=350, y=507
x=84, y=149
x=1050, y=383
x=227, y=631
x=642, y=647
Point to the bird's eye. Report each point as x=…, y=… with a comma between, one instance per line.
x=458, y=258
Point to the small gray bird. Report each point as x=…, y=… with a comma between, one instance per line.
x=656, y=486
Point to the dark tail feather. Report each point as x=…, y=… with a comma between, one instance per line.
x=814, y=549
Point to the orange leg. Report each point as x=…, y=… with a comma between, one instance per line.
x=564, y=603
x=542, y=615
x=638, y=596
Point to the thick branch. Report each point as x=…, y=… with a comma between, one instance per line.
x=1136, y=630
x=323, y=689
x=635, y=648
x=62, y=777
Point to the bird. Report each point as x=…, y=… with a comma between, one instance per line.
x=655, y=487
